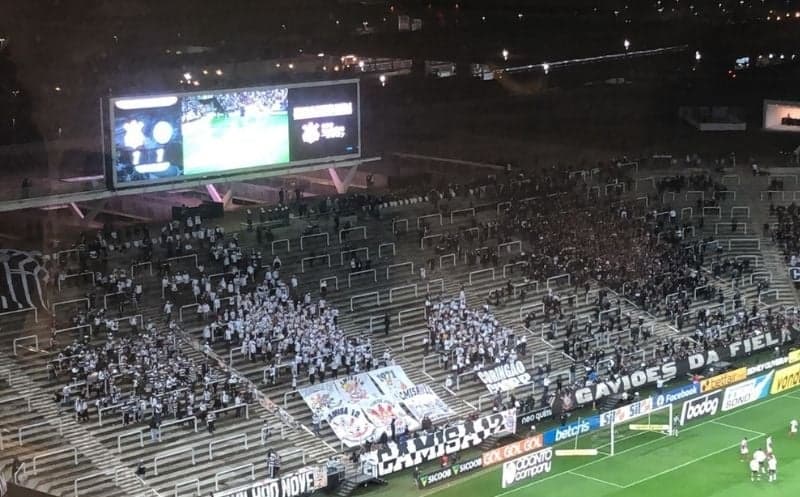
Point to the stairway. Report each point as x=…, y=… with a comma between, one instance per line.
x=126, y=483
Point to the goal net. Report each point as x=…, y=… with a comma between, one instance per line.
x=620, y=429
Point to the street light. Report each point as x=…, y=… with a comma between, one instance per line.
x=626, y=44
x=697, y=55
x=505, y=54
x=382, y=79
x=546, y=67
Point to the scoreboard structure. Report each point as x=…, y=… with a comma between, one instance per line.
x=219, y=134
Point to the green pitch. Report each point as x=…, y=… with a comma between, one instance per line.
x=221, y=143
x=702, y=461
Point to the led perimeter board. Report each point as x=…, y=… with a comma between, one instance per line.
x=213, y=134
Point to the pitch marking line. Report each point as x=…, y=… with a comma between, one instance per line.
x=590, y=463
x=687, y=463
x=748, y=430
x=598, y=480
x=794, y=397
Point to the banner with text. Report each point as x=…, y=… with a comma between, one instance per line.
x=302, y=482
x=422, y=401
x=427, y=446
x=505, y=377
x=667, y=371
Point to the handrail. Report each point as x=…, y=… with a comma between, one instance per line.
x=288, y=245
x=286, y=397
x=404, y=287
x=127, y=434
x=759, y=274
x=407, y=311
x=187, y=306
x=382, y=245
x=314, y=235
x=399, y=264
x=742, y=208
x=295, y=451
x=334, y=278
x=717, y=209
x=148, y=264
x=557, y=277
x=470, y=210
x=22, y=469
x=440, y=281
x=368, y=294
x=510, y=244
x=358, y=273
x=428, y=237
x=105, y=298
x=512, y=265
x=29, y=337
x=354, y=228
x=62, y=330
x=747, y=240
x=447, y=256
x=108, y=408
x=176, y=422
x=327, y=257
x=231, y=408
x=734, y=224
x=695, y=192
x=26, y=309
x=222, y=440
x=66, y=302
x=86, y=477
x=186, y=483
x=268, y=429
x=187, y=256
x=75, y=276
x=53, y=453
x=249, y=466
x=128, y=318
x=420, y=218
x=356, y=250
x=481, y=271
x=395, y=222
x=173, y=453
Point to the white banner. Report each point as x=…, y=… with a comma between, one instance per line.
x=527, y=467
x=350, y=425
x=505, y=377
x=322, y=398
x=383, y=410
x=295, y=484
x=391, y=380
x=357, y=389
x=421, y=401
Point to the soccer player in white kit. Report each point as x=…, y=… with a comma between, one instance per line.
x=760, y=456
x=769, y=445
x=754, y=474
x=793, y=428
x=772, y=465
x=743, y=450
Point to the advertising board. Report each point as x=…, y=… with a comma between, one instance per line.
x=527, y=467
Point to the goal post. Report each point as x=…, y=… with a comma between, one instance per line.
x=648, y=422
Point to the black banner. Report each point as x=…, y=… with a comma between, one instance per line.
x=642, y=377
x=424, y=446
x=531, y=418
x=427, y=479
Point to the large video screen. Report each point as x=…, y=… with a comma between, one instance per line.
x=172, y=138
x=781, y=116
